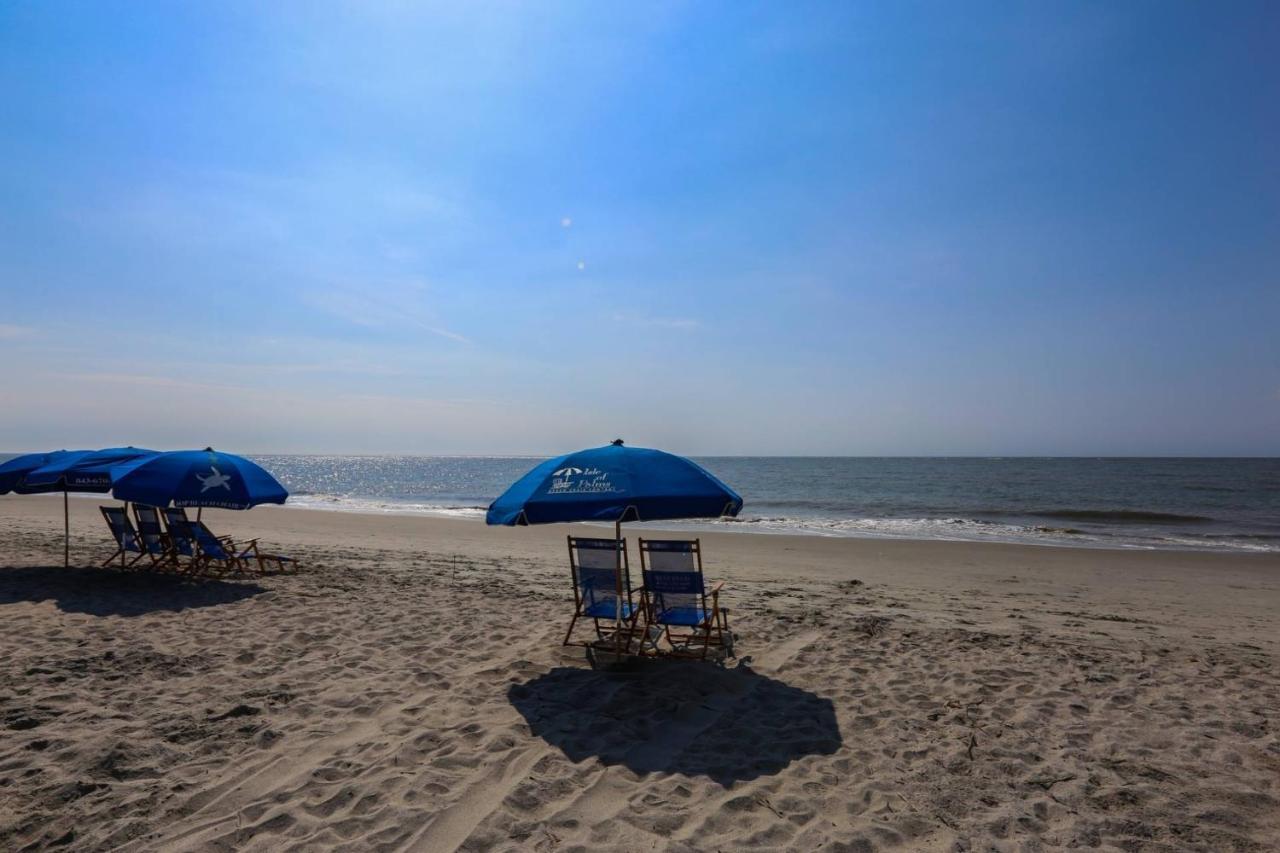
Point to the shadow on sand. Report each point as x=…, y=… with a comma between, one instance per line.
x=731, y=725
x=105, y=592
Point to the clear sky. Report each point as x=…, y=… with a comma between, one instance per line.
x=842, y=228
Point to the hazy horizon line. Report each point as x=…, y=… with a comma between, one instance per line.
x=990, y=456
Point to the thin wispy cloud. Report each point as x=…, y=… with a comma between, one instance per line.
x=677, y=323
x=9, y=332
x=388, y=304
x=147, y=381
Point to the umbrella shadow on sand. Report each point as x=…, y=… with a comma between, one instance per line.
x=103, y=592
x=697, y=719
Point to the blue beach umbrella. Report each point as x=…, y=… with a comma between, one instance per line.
x=197, y=478
x=74, y=471
x=84, y=471
x=614, y=483
x=13, y=475
x=15, y=470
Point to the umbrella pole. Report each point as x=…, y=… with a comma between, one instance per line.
x=617, y=579
x=66, y=531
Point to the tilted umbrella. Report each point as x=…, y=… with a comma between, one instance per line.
x=614, y=483
x=76, y=471
x=197, y=478
x=13, y=471
x=84, y=471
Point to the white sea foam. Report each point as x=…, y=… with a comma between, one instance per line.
x=943, y=529
x=342, y=503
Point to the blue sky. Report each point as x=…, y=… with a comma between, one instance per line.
x=843, y=228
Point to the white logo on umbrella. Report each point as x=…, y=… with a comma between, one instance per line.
x=214, y=479
x=566, y=472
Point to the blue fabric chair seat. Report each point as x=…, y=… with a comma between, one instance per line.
x=691, y=616
x=608, y=610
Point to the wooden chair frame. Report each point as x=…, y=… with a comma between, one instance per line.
x=168, y=556
x=123, y=548
x=237, y=557
x=193, y=566
x=604, y=633
x=695, y=641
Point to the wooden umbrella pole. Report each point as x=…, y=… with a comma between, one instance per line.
x=66, y=531
x=617, y=580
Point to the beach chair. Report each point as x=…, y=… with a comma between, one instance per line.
x=182, y=541
x=216, y=559
x=594, y=566
x=221, y=551
x=126, y=537
x=151, y=535
x=676, y=601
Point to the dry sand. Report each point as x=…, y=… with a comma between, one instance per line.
x=408, y=692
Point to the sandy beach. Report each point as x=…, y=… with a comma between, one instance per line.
x=408, y=691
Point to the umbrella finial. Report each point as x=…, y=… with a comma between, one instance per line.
x=617, y=442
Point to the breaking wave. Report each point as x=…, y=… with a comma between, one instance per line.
x=343, y=503
x=1121, y=516
x=955, y=529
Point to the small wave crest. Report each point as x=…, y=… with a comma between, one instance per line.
x=953, y=528
x=980, y=530
x=343, y=503
x=1121, y=516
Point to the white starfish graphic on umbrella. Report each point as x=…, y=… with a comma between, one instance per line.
x=214, y=480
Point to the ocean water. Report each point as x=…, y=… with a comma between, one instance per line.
x=1219, y=504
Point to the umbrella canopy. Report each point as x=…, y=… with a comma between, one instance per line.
x=196, y=478
x=82, y=470
x=614, y=483
x=14, y=471
x=64, y=471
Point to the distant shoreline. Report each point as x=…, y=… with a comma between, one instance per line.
x=734, y=528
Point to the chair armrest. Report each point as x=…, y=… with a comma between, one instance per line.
x=715, y=590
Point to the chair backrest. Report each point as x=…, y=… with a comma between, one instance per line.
x=180, y=533
x=149, y=529
x=672, y=570
x=209, y=544
x=121, y=528
x=594, y=563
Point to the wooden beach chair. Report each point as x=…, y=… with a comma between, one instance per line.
x=182, y=540
x=676, y=601
x=151, y=535
x=221, y=552
x=594, y=566
x=126, y=536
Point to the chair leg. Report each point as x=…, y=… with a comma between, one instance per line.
x=257, y=556
x=630, y=624
x=569, y=633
